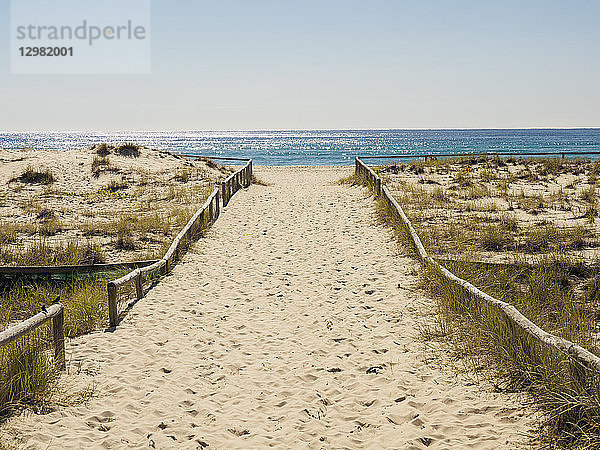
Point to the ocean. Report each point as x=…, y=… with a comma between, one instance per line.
x=322, y=147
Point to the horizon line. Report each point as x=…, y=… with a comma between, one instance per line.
x=231, y=130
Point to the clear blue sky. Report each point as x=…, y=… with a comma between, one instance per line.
x=282, y=64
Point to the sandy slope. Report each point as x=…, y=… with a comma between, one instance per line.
x=293, y=324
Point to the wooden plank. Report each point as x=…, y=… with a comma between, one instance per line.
x=58, y=335
x=220, y=158
x=113, y=315
x=460, y=155
x=34, y=270
x=157, y=265
x=139, y=287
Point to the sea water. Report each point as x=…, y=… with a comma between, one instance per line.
x=322, y=147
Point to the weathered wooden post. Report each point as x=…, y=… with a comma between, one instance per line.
x=223, y=193
x=210, y=212
x=58, y=333
x=113, y=316
x=218, y=212
x=139, y=287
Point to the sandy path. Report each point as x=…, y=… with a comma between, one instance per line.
x=265, y=337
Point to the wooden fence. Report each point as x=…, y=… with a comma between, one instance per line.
x=241, y=178
x=55, y=312
x=474, y=154
x=555, y=343
x=131, y=286
x=11, y=273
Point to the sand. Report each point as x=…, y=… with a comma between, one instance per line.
x=295, y=324
x=150, y=184
x=534, y=193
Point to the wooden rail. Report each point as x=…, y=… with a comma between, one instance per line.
x=42, y=270
x=220, y=158
x=461, y=155
x=8, y=273
x=241, y=178
x=207, y=213
x=55, y=312
x=564, y=346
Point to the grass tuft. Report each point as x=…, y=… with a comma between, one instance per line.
x=33, y=175
x=128, y=149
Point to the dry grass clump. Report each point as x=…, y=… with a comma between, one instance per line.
x=124, y=236
x=102, y=150
x=41, y=253
x=8, y=232
x=115, y=186
x=495, y=238
x=589, y=194
x=259, y=182
x=33, y=175
x=128, y=149
x=100, y=165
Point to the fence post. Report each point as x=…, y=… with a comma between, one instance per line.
x=58, y=332
x=112, y=304
x=356, y=170
x=251, y=171
x=378, y=186
x=210, y=211
x=139, y=290
x=218, y=209
x=223, y=192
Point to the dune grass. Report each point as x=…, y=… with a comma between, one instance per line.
x=33, y=175
x=26, y=373
x=42, y=253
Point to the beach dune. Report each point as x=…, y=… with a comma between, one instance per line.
x=293, y=323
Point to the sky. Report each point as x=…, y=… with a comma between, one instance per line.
x=332, y=64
